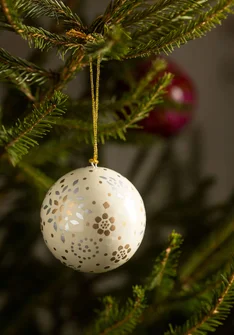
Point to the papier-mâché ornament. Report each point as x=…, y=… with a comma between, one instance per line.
x=93, y=219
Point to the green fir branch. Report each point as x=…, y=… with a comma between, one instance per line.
x=214, y=262
x=156, y=66
x=116, y=129
x=199, y=26
x=113, y=44
x=22, y=70
x=187, y=10
x=162, y=26
x=72, y=65
x=38, y=37
x=14, y=78
x=23, y=73
x=148, y=12
x=165, y=268
x=164, y=21
x=138, y=109
x=211, y=315
x=22, y=136
x=54, y=149
x=216, y=241
x=191, y=297
x=196, y=27
x=11, y=15
x=119, y=10
x=36, y=176
x=44, y=40
x=147, y=102
x=54, y=9
x=127, y=29
x=164, y=12
x=116, y=320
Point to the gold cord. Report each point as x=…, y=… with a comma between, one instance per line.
x=95, y=106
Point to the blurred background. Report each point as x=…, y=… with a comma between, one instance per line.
x=189, y=172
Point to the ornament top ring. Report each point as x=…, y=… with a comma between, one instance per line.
x=93, y=219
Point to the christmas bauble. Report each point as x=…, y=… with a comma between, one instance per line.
x=93, y=219
x=179, y=102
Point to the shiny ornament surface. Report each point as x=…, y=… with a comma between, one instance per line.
x=178, y=106
x=93, y=219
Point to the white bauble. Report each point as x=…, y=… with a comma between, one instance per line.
x=93, y=219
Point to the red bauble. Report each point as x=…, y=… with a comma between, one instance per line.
x=179, y=102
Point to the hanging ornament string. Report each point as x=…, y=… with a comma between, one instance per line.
x=95, y=105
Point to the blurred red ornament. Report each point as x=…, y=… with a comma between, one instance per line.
x=179, y=102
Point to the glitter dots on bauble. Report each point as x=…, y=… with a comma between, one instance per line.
x=93, y=219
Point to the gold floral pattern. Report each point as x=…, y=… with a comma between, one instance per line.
x=105, y=224
x=121, y=253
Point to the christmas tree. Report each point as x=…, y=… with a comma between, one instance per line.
x=170, y=286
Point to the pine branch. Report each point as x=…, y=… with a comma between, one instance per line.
x=164, y=25
x=165, y=268
x=197, y=27
x=138, y=109
x=44, y=40
x=163, y=14
x=213, y=263
x=164, y=21
x=157, y=66
x=49, y=151
x=54, y=9
x=22, y=70
x=23, y=74
x=211, y=315
x=208, y=247
x=37, y=37
x=116, y=129
x=117, y=11
x=11, y=15
x=128, y=29
x=114, y=320
x=113, y=44
x=150, y=12
x=192, y=297
x=22, y=136
x=148, y=102
x=72, y=65
x=21, y=86
x=163, y=277
x=36, y=176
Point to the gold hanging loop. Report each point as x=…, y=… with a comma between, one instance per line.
x=95, y=106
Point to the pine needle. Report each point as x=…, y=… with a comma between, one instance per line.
x=116, y=320
x=165, y=268
x=22, y=136
x=22, y=71
x=36, y=176
x=211, y=315
x=54, y=9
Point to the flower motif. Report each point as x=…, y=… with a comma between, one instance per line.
x=104, y=225
x=122, y=253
